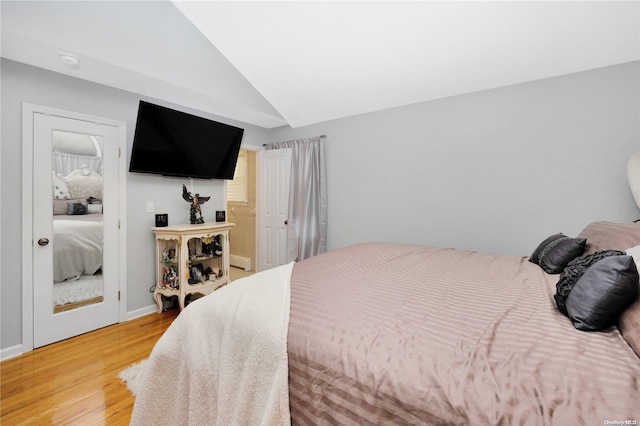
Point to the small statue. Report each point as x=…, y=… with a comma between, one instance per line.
x=195, y=214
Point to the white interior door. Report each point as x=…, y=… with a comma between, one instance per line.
x=274, y=171
x=51, y=324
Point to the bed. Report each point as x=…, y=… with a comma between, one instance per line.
x=77, y=239
x=77, y=245
x=390, y=334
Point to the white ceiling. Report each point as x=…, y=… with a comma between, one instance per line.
x=299, y=63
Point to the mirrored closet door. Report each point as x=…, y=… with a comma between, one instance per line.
x=75, y=276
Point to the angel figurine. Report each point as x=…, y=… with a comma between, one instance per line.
x=195, y=215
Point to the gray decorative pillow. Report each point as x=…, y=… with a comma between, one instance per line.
x=603, y=292
x=76, y=208
x=61, y=207
x=535, y=257
x=556, y=251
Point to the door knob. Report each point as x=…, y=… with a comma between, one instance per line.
x=286, y=222
x=43, y=241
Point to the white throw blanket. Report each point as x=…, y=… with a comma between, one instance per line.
x=223, y=361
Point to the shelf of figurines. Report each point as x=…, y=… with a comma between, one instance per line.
x=191, y=259
x=210, y=278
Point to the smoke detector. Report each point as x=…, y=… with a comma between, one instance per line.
x=70, y=60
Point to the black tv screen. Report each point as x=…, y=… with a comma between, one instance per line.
x=174, y=143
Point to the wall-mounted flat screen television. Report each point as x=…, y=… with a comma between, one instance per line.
x=174, y=143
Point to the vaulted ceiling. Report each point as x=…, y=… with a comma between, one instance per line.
x=298, y=63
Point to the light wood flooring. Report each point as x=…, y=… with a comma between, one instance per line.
x=75, y=382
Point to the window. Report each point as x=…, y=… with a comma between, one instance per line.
x=237, y=188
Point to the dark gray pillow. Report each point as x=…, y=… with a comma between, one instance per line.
x=76, y=208
x=603, y=292
x=556, y=251
x=535, y=257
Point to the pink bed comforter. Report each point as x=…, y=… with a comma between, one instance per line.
x=399, y=334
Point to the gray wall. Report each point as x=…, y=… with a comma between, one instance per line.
x=22, y=83
x=495, y=171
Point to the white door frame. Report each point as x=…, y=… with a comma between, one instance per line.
x=226, y=203
x=28, y=111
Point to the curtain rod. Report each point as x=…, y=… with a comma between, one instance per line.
x=271, y=143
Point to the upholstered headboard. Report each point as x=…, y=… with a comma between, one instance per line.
x=83, y=186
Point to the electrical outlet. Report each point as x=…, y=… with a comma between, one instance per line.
x=150, y=207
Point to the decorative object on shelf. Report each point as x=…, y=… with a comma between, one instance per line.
x=162, y=220
x=210, y=274
x=207, y=244
x=169, y=277
x=196, y=274
x=195, y=214
x=211, y=245
x=221, y=216
x=217, y=246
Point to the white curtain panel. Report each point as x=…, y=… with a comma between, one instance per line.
x=307, y=226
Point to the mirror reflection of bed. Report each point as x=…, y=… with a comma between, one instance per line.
x=77, y=220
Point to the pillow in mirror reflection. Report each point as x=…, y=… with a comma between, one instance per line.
x=60, y=189
x=84, y=186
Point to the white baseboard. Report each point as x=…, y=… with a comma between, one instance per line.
x=142, y=312
x=14, y=351
x=10, y=352
x=240, y=262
